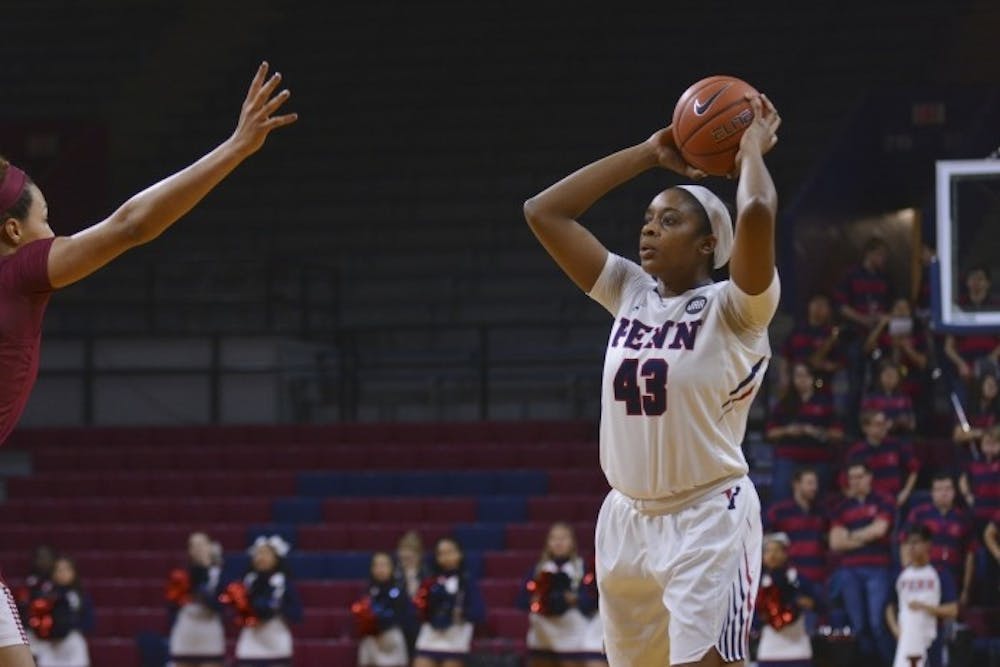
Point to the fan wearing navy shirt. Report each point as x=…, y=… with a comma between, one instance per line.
x=983, y=412
x=892, y=462
x=906, y=348
x=971, y=353
x=804, y=431
x=980, y=482
x=805, y=525
x=953, y=535
x=887, y=397
x=816, y=342
x=859, y=531
x=863, y=297
x=990, y=596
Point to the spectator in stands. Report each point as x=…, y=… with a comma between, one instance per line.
x=980, y=481
x=800, y=519
x=560, y=596
x=784, y=596
x=982, y=413
x=862, y=298
x=859, y=532
x=380, y=616
x=952, y=531
x=60, y=618
x=886, y=397
x=923, y=595
x=197, y=636
x=804, y=431
x=43, y=559
x=411, y=571
x=990, y=595
x=896, y=337
x=449, y=604
x=816, y=342
x=891, y=461
x=271, y=602
x=973, y=354
x=865, y=294
x=37, y=584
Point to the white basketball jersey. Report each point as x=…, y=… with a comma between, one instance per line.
x=917, y=629
x=679, y=377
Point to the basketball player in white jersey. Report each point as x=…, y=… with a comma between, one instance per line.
x=679, y=536
x=924, y=596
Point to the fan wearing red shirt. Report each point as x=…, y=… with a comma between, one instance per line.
x=34, y=262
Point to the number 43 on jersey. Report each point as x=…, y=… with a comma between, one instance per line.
x=651, y=398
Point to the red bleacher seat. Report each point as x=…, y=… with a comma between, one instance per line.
x=318, y=653
x=510, y=623
x=509, y=564
x=500, y=593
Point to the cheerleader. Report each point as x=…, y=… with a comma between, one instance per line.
x=265, y=601
x=450, y=605
x=411, y=571
x=197, y=638
x=59, y=617
x=560, y=594
x=381, y=616
x=782, y=598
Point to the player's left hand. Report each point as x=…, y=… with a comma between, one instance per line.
x=917, y=605
x=762, y=135
x=669, y=156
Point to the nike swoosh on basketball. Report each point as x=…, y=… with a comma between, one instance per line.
x=700, y=108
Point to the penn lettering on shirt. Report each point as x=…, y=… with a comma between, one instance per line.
x=637, y=335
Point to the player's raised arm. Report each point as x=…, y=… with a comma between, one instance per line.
x=147, y=214
x=552, y=213
x=751, y=265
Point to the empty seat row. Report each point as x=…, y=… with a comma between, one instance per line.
x=319, y=456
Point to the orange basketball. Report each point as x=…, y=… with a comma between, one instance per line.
x=709, y=120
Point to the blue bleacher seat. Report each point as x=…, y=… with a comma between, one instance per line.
x=347, y=565
x=502, y=508
x=481, y=536
x=297, y=510
x=527, y=482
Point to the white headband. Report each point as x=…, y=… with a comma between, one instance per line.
x=277, y=544
x=718, y=217
x=780, y=538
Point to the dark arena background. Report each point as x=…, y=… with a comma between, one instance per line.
x=356, y=335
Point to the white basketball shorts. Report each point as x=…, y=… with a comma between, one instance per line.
x=11, y=630
x=694, y=571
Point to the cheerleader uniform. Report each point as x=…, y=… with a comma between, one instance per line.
x=450, y=605
x=265, y=640
x=382, y=615
x=557, y=629
x=59, y=639
x=784, y=639
x=196, y=634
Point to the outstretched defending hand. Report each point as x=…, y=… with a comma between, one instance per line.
x=256, y=121
x=669, y=156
